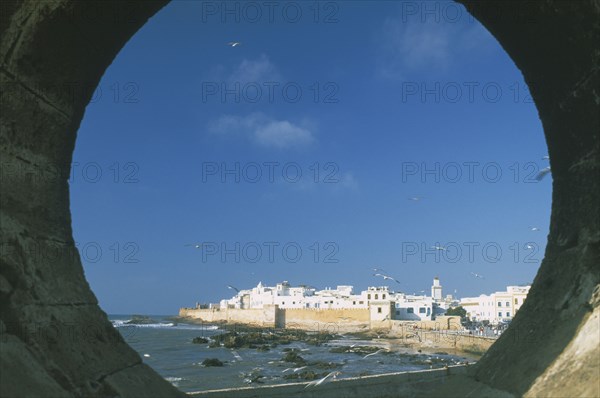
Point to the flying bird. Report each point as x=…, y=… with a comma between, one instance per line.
x=529, y=247
x=195, y=245
x=438, y=247
x=324, y=379
x=415, y=198
x=234, y=43
x=546, y=157
x=374, y=353
x=385, y=277
x=236, y=355
x=147, y=355
x=294, y=370
x=233, y=288
x=534, y=228
x=543, y=172
x=477, y=275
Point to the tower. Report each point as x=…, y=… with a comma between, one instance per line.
x=436, y=289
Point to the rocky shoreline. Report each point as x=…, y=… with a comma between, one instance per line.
x=263, y=338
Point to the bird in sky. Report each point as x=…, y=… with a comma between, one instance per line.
x=529, y=247
x=195, y=245
x=233, y=288
x=415, y=198
x=546, y=157
x=375, y=353
x=234, y=43
x=438, y=247
x=543, y=173
x=147, y=355
x=386, y=277
x=477, y=275
x=534, y=228
x=324, y=379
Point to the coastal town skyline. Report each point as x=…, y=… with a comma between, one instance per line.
x=409, y=135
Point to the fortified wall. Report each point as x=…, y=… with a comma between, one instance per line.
x=345, y=320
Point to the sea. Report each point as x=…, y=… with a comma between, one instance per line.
x=166, y=346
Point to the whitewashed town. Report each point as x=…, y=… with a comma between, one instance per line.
x=382, y=303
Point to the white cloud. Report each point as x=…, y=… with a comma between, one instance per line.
x=415, y=45
x=259, y=70
x=282, y=134
x=264, y=131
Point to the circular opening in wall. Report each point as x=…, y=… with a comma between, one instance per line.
x=236, y=158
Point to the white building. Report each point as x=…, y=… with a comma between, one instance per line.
x=384, y=303
x=496, y=307
x=436, y=289
x=286, y=296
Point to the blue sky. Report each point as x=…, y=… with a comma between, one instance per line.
x=362, y=99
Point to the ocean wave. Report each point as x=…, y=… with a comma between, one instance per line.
x=121, y=323
x=124, y=323
x=174, y=380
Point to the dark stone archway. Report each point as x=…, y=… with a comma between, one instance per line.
x=56, y=341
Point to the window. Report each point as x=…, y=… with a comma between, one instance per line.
x=283, y=303
x=383, y=297
x=516, y=301
x=499, y=314
x=422, y=310
x=379, y=310
x=410, y=310
x=369, y=296
x=508, y=303
x=376, y=296
x=499, y=304
x=354, y=303
x=293, y=302
x=397, y=312
x=508, y=314
x=361, y=302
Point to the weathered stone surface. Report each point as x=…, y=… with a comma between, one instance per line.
x=52, y=56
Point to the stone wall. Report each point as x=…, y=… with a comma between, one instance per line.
x=325, y=320
x=256, y=317
x=46, y=47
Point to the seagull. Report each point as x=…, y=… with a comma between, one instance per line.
x=534, y=228
x=234, y=43
x=295, y=370
x=236, y=355
x=477, y=275
x=385, y=277
x=324, y=379
x=374, y=353
x=546, y=157
x=233, y=288
x=415, y=198
x=529, y=247
x=195, y=245
x=543, y=172
x=438, y=247
x=147, y=355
